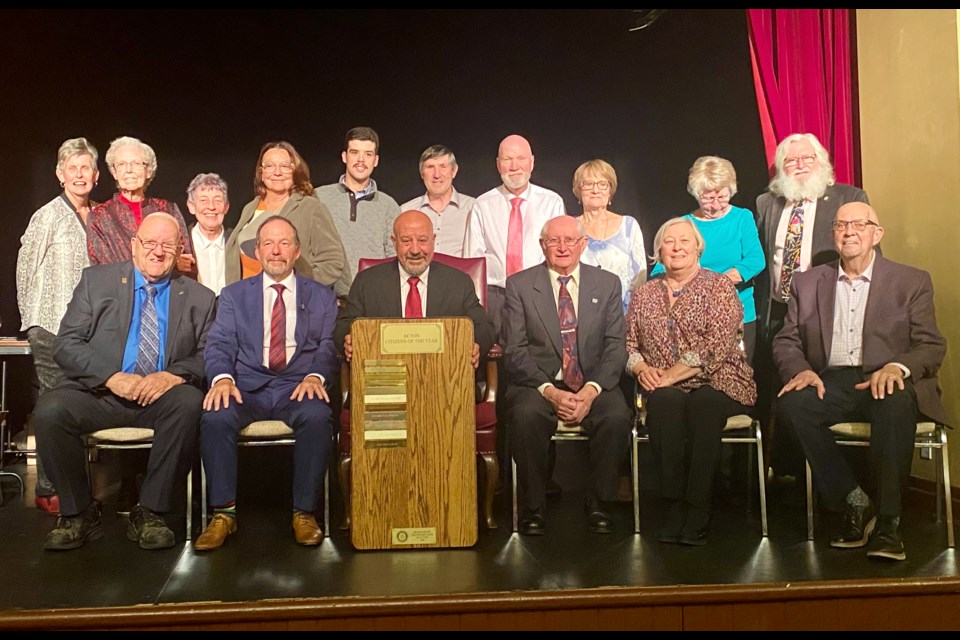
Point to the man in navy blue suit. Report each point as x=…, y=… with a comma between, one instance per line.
x=269, y=356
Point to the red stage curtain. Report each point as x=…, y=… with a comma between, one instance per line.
x=802, y=73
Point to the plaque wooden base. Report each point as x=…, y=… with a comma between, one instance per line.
x=414, y=474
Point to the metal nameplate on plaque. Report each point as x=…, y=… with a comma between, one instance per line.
x=411, y=337
x=384, y=404
x=415, y=535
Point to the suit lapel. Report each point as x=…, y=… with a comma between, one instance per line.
x=546, y=306
x=256, y=292
x=178, y=299
x=586, y=310
x=435, y=293
x=303, y=318
x=125, y=295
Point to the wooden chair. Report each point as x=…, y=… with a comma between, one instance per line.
x=267, y=433
x=486, y=408
x=929, y=436
x=133, y=438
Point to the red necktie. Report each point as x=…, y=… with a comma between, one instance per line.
x=572, y=373
x=414, y=308
x=278, y=332
x=515, y=238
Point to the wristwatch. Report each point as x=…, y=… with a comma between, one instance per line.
x=690, y=359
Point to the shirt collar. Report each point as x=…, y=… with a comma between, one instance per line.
x=575, y=273
x=366, y=191
x=290, y=282
x=866, y=275
x=203, y=242
x=404, y=275
x=139, y=282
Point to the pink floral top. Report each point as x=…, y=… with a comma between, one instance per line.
x=705, y=322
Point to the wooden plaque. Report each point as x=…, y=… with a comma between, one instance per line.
x=413, y=423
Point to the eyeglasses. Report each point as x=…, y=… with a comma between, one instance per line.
x=553, y=242
x=151, y=245
x=714, y=200
x=133, y=165
x=285, y=167
x=587, y=185
x=795, y=160
x=858, y=225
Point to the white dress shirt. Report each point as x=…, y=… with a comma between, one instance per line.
x=209, y=254
x=290, y=302
x=806, y=242
x=490, y=218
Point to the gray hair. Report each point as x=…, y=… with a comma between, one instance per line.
x=711, y=173
x=76, y=146
x=207, y=181
x=149, y=157
x=658, y=239
x=437, y=151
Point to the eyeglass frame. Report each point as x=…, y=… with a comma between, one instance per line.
x=587, y=185
x=122, y=165
x=556, y=242
x=793, y=161
x=714, y=199
x=151, y=245
x=857, y=225
x=290, y=167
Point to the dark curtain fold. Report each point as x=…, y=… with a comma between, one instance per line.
x=802, y=73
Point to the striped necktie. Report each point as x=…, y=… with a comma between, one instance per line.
x=278, y=332
x=572, y=373
x=149, y=348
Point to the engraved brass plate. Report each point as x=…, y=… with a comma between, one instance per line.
x=416, y=535
x=418, y=337
x=385, y=404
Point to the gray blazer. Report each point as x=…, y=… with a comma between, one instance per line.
x=93, y=333
x=531, y=328
x=899, y=325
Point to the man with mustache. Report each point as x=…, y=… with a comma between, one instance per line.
x=363, y=215
x=794, y=220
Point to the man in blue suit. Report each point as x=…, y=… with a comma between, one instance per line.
x=269, y=356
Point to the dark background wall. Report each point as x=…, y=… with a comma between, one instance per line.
x=206, y=89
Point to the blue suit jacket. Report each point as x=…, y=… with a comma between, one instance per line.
x=235, y=342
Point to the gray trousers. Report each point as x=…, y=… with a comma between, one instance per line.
x=49, y=375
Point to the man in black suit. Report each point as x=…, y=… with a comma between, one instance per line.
x=564, y=350
x=383, y=291
x=131, y=345
x=804, y=182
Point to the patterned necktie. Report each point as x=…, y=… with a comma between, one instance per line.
x=572, y=374
x=149, y=348
x=414, y=307
x=278, y=332
x=791, y=251
x=515, y=238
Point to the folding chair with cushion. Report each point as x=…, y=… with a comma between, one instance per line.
x=267, y=433
x=740, y=429
x=486, y=407
x=133, y=438
x=930, y=436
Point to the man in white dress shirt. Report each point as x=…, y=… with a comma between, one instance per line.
x=207, y=200
x=505, y=222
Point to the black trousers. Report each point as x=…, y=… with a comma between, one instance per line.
x=893, y=429
x=532, y=421
x=63, y=416
x=685, y=429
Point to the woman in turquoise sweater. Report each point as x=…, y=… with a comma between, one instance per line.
x=732, y=245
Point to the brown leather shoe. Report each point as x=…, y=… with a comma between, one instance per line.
x=306, y=530
x=216, y=532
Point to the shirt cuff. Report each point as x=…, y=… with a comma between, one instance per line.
x=906, y=371
x=542, y=388
x=595, y=386
x=220, y=377
x=322, y=379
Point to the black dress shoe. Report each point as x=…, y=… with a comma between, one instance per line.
x=885, y=543
x=858, y=524
x=532, y=525
x=695, y=531
x=599, y=521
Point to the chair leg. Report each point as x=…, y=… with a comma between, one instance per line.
x=203, y=496
x=190, y=505
x=635, y=472
x=326, y=501
x=513, y=488
x=948, y=498
x=762, y=478
x=809, y=501
x=343, y=475
x=491, y=477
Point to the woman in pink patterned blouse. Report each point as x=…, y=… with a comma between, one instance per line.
x=684, y=341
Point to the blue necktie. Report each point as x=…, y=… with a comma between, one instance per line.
x=149, y=351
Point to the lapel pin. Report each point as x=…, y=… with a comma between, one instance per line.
x=594, y=300
x=123, y=280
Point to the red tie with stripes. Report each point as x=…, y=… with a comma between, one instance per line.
x=278, y=332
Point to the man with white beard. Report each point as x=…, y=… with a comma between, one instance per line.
x=795, y=222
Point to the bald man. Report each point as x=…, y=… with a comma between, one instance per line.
x=131, y=346
x=505, y=222
x=860, y=343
